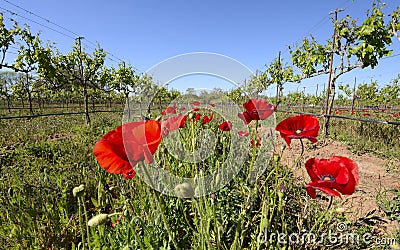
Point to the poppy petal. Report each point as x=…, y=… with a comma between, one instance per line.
x=323, y=189
x=110, y=153
x=141, y=140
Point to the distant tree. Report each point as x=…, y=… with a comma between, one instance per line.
x=77, y=71
x=390, y=93
x=146, y=92
x=368, y=94
x=346, y=95
x=26, y=61
x=125, y=81
x=7, y=80
x=276, y=73
x=236, y=95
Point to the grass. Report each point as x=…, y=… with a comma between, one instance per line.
x=378, y=139
x=43, y=159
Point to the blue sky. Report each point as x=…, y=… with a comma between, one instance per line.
x=144, y=33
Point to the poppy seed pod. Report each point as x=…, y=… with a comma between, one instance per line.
x=184, y=190
x=340, y=210
x=192, y=115
x=99, y=219
x=78, y=191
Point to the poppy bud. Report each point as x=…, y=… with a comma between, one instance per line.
x=340, y=210
x=184, y=190
x=99, y=219
x=192, y=115
x=282, y=189
x=281, y=193
x=218, y=178
x=78, y=191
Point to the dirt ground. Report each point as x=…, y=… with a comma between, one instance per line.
x=373, y=177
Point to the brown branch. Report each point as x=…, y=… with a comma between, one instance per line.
x=395, y=31
x=348, y=68
x=318, y=73
x=13, y=68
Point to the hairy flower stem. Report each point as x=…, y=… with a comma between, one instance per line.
x=194, y=168
x=238, y=240
x=300, y=156
x=166, y=225
x=86, y=218
x=80, y=222
x=253, y=151
x=330, y=203
x=161, y=209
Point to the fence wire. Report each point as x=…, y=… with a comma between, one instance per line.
x=58, y=114
x=279, y=110
x=341, y=117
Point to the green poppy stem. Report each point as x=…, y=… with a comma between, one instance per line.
x=253, y=151
x=330, y=203
x=300, y=156
x=160, y=206
x=302, y=147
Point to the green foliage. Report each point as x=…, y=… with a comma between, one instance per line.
x=7, y=38
x=368, y=93
x=394, y=22
x=276, y=73
x=236, y=95
x=373, y=38
x=389, y=202
x=310, y=57
x=361, y=137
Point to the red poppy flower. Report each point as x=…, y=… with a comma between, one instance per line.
x=207, y=119
x=183, y=109
x=141, y=142
x=212, y=105
x=258, y=142
x=245, y=117
x=225, y=126
x=197, y=117
x=243, y=133
x=258, y=109
x=195, y=109
x=299, y=127
x=196, y=103
x=182, y=125
x=170, y=110
x=334, y=176
x=172, y=123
